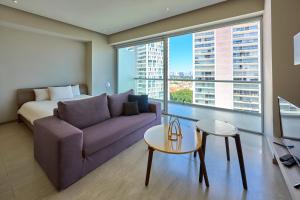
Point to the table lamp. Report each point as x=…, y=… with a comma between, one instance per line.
x=108, y=87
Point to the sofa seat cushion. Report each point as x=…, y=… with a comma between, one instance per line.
x=105, y=133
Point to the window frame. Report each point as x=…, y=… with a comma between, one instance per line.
x=166, y=79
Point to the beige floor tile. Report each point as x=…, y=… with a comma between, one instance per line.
x=7, y=195
x=172, y=176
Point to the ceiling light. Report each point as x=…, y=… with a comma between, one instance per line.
x=15, y=1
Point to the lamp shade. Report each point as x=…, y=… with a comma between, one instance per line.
x=297, y=49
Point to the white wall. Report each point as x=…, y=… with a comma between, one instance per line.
x=82, y=55
x=267, y=67
x=32, y=60
x=281, y=75
x=286, y=80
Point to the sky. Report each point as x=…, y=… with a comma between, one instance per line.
x=180, y=53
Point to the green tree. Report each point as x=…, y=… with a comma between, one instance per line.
x=183, y=96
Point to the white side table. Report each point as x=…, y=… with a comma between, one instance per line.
x=222, y=129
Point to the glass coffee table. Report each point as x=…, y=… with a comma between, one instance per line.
x=157, y=140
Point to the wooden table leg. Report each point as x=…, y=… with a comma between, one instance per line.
x=149, y=165
x=195, y=154
x=241, y=159
x=227, y=148
x=203, y=146
x=203, y=167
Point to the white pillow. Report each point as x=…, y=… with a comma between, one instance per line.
x=41, y=94
x=57, y=93
x=76, y=90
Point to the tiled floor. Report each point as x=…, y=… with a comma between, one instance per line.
x=173, y=176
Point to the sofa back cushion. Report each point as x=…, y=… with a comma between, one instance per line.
x=116, y=101
x=84, y=113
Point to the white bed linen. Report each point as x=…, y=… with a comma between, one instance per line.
x=34, y=110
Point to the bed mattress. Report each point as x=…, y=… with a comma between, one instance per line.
x=34, y=110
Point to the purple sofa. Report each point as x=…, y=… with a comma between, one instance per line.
x=83, y=134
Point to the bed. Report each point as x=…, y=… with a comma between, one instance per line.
x=30, y=110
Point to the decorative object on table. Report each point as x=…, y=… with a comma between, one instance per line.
x=174, y=129
x=175, y=145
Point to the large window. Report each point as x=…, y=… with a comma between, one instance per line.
x=218, y=68
x=141, y=67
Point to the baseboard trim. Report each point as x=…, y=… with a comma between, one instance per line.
x=7, y=122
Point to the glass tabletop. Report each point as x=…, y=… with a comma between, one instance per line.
x=217, y=127
x=157, y=138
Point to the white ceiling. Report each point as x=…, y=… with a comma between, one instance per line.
x=108, y=16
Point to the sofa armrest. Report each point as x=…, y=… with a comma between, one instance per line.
x=155, y=107
x=58, y=148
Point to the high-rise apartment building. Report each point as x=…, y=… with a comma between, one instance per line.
x=204, y=67
x=149, y=64
x=246, y=66
x=226, y=54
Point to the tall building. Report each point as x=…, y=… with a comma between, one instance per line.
x=149, y=64
x=204, y=67
x=226, y=54
x=246, y=66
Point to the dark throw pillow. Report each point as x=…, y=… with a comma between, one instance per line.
x=142, y=101
x=130, y=108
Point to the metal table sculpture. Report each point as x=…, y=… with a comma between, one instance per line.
x=174, y=129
